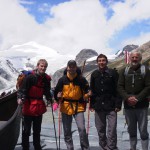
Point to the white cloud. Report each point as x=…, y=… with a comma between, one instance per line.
x=16, y=26
x=143, y=38
x=75, y=25
x=128, y=12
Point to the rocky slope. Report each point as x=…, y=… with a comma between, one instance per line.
x=84, y=55
x=80, y=58
x=128, y=48
x=118, y=63
x=8, y=74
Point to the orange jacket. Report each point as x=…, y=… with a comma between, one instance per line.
x=74, y=93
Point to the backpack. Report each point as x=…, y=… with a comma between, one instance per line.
x=143, y=68
x=21, y=77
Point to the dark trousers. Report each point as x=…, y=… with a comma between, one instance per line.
x=106, y=141
x=35, y=121
x=137, y=118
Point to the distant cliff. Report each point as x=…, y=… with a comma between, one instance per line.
x=84, y=55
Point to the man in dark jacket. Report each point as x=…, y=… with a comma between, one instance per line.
x=30, y=95
x=134, y=87
x=105, y=102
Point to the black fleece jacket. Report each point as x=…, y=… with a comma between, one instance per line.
x=103, y=85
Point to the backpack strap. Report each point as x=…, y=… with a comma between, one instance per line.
x=126, y=70
x=143, y=70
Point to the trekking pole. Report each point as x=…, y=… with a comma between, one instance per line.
x=22, y=124
x=88, y=121
x=82, y=70
x=59, y=124
x=54, y=126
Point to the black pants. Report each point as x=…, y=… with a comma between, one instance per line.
x=28, y=121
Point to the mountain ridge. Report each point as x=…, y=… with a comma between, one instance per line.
x=118, y=62
x=8, y=71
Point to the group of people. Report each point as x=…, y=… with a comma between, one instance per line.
x=106, y=92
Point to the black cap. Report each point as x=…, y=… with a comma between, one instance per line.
x=71, y=63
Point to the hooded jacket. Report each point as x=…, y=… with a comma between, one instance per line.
x=74, y=92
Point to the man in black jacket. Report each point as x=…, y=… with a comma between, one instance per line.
x=105, y=102
x=134, y=87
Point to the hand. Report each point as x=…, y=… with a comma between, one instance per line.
x=59, y=95
x=55, y=106
x=90, y=93
x=20, y=102
x=117, y=109
x=91, y=109
x=132, y=100
x=49, y=102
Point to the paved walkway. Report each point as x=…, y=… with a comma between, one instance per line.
x=48, y=136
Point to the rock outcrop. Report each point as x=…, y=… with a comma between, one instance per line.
x=84, y=55
x=128, y=48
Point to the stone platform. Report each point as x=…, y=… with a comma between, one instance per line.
x=48, y=135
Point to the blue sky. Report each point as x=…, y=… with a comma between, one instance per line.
x=71, y=25
x=40, y=9
x=132, y=30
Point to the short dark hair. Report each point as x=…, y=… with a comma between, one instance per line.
x=102, y=56
x=71, y=63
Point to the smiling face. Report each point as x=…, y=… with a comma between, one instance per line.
x=41, y=68
x=102, y=62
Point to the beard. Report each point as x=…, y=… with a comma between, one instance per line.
x=135, y=64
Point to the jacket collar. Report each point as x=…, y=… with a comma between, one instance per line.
x=71, y=77
x=104, y=70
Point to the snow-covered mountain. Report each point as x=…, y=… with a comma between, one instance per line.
x=8, y=75
x=25, y=56
x=118, y=52
x=110, y=58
